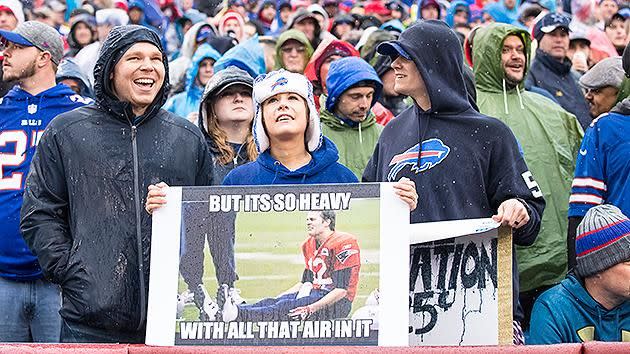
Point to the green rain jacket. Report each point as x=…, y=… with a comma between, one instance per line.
x=295, y=35
x=550, y=138
x=355, y=145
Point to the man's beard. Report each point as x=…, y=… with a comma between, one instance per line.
x=512, y=82
x=29, y=71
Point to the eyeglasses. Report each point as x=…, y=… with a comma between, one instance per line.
x=287, y=50
x=593, y=91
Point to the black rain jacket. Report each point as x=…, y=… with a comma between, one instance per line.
x=83, y=212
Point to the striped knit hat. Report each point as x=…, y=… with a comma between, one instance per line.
x=603, y=240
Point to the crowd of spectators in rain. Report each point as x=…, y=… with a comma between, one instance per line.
x=107, y=102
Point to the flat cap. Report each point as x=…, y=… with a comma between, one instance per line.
x=607, y=72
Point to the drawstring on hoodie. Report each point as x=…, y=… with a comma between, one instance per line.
x=520, y=98
x=505, y=105
x=276, y=165
x=360, y=136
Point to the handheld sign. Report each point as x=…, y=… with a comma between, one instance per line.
x=280, y=265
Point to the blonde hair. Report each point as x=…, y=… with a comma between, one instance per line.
x=226, y=152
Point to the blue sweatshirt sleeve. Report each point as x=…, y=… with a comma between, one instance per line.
x=589, y=185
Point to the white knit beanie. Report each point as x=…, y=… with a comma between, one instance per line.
x=282, y=81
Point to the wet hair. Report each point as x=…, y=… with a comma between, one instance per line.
x=219, y=138
x=331, y=216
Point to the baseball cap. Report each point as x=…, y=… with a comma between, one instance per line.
x=56, y=6
x=392, y=49
x=203, y=33
x=39, y=35
x=236, y=3
x=579, y=36
x=377, y=7
x=616, y=16
x=550, y=23
x=43, y=12
x=608, y=72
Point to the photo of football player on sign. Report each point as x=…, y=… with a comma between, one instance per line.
x=286, y=274
x=328, y=285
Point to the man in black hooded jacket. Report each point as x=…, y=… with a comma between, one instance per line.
x=83, y=205
x=464, y=164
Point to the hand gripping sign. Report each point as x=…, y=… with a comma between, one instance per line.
x=460, y=283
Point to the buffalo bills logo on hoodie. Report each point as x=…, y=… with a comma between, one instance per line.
x=433, y=152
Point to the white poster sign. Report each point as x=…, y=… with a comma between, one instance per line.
x=280, y=265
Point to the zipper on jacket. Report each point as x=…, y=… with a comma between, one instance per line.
x=137, y=197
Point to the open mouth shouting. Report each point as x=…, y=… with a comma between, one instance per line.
x=516, y=66
x=144, y=83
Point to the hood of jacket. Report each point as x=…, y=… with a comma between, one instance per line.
x=205, y=51
x=622, y=107
x=16, y=8
x=322, y=158
x=119, y=40
x=624, y=90
x=368, y=50
x=450, y=14
x=89, y=21
x=68, y=69
x=262, y=6
x=226, y=77
x=190, y=40
x=497, y=12
x=152, y=14
x=487, y=48
x=347, y=72
x=424, y=3
x=300, y=15
x=329, y=119
x=434, y=47
x=19, y=96
x=588, y=304
x=247, y=56
x=297, y=36
x=342, y=18
x=393, y=26
x=325, y=50
x=500, y=13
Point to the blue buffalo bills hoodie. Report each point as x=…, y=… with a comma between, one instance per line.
x=464, y=164
x=323, y=168
x=567, y=313
x=23, y=118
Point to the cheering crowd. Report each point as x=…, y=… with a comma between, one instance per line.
x=513, y=110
